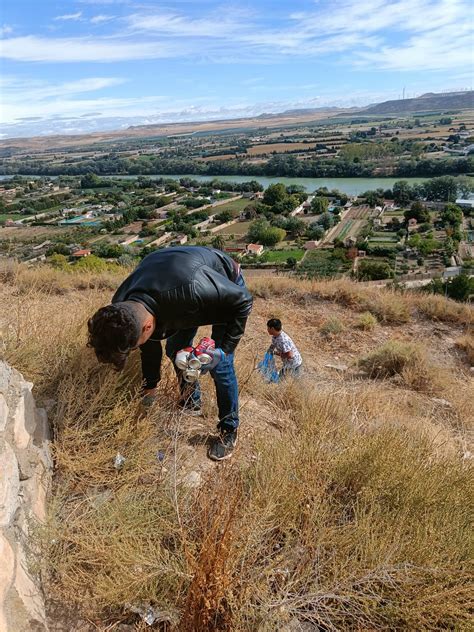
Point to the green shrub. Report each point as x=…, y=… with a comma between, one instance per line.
x=332, y=327
x=366, y=321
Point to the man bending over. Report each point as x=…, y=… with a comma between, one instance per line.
x=168, y=296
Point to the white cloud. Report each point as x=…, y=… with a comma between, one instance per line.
x=70, y=116
x=381, y=34
x=429, y=34
x=77, y=49
x=69, y=16
x=182, y=26
x=39, y=90
x=5, y=30
x=32, y=97
x=97, y=19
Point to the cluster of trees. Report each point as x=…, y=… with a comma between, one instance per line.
x=460, y=288
x=277, y=200
x=262, y=232
x=425, y=245
x=281, y=200
x=277, y=165
x=444, y=189
x=368, y=270
x=31, y=206
x=251, y=186
x=192, y=202
x=128, y=216
x=358, y=151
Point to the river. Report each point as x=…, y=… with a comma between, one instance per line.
x=351, y=186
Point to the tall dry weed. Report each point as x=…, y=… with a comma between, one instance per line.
x=407, y=361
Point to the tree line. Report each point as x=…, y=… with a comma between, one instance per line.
x=279, y=165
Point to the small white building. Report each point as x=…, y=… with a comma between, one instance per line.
x=254, y=249
x=129, y=240
x=465, y=203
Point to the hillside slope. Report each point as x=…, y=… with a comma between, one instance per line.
x=425, y=103
x=345, y=507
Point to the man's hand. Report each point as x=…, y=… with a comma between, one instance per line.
x=217, y=356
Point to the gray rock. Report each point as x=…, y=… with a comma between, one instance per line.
x=192, y=479
x=3, y=413
x=9, y=484
x=441, y=402
x=337, y=367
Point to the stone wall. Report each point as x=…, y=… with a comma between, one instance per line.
x=25, y=477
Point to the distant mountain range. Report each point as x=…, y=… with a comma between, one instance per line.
x=424, y=103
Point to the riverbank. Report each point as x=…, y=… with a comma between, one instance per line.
x=350, y=186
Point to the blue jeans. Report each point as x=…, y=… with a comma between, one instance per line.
x=225, y=379
x=227, y=390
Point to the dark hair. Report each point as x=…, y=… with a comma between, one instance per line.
x=114, y=331
x=274, y=323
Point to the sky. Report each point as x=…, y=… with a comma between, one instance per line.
x=74, y=66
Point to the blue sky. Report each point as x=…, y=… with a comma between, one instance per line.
x=83, y=65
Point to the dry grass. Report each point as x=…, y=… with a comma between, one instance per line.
x=332, y=327
x=466, y=344
x=366, y=321
x=437, y=307
x=388, y=305
x=407, y=361
x=52, y=281
x=349, y=511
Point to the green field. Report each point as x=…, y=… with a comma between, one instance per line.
x=240, y=228
x=385, y=235
x=325, y=263
x=384, y=244
x=5, y=216
x=280, y=256
x=236, y=206
x=345, y=230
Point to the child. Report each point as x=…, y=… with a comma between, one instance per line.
x=283, y=346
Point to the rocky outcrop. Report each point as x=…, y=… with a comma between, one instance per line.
x=25, y=477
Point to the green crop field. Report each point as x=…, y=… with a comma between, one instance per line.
x=345, y=230
x=5, y=216
x=236, y=206
x=386, y=235
x=280, y=256
x=240, y=228
x=384, y=244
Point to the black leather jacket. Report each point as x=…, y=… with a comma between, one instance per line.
x=189, y=286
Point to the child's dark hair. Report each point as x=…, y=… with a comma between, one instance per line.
x=274, y=323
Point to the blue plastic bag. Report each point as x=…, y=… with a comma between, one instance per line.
x=267, y=368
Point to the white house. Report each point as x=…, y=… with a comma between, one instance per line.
x=129, y=240
x=465, y=203
x=254, y=249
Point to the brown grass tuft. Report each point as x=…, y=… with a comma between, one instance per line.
x=405, y=360
x=466, y=344
x=366, y=321
x=437, y=307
